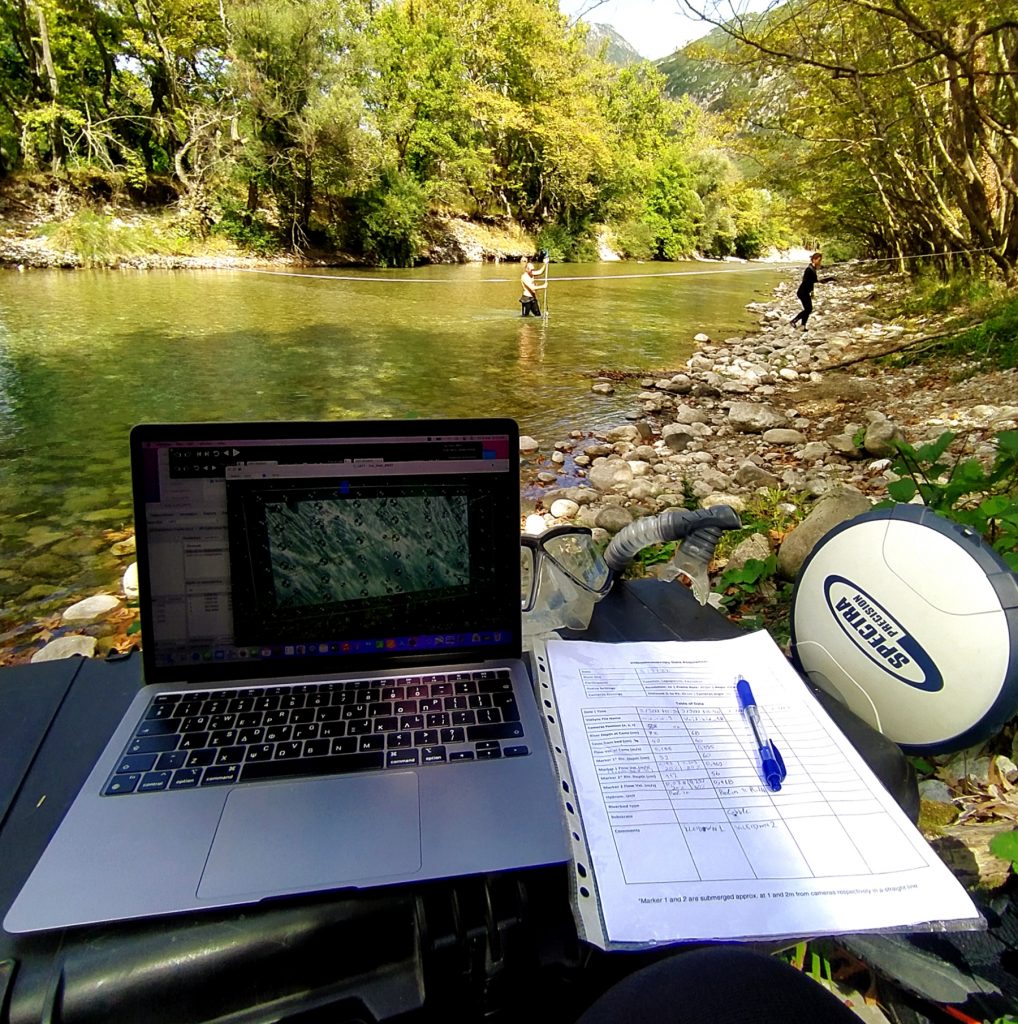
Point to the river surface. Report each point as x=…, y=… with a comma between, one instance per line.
x=84, y=355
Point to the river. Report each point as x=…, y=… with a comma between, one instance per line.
x=84, y=355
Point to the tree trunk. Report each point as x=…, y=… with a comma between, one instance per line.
x=57, y=150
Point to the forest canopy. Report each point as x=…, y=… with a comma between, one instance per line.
x=353, y=124
x=348, y=123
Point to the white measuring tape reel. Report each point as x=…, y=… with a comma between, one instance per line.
x=912, y=621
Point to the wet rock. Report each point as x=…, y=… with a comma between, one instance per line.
x=528, y=444
x=603, y=389
x=49, y=567
x=78, y=547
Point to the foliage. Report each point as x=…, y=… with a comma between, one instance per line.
x=249, y=231
x=633, y=239
x=892, y=123
x=389, y=220
x=565, y=245
x=993, y=342
x=986, y=500
x=310, y=111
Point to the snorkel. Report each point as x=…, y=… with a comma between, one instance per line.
x=561, y=594
x=699, y=531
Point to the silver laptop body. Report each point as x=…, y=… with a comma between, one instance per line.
x=334, y=694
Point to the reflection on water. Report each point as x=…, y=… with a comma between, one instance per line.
x=85, y=355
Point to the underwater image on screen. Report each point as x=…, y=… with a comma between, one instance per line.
x=333, y=550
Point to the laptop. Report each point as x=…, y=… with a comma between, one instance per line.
x=334, y=693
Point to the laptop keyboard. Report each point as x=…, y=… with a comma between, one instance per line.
x=226, y=737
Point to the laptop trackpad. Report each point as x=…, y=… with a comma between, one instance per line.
x=315, y=834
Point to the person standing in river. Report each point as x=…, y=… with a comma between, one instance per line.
x=805, y=290
x=528, y=300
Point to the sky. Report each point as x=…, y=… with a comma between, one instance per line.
x=654, y=28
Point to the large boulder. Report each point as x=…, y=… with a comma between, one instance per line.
x=834, y=508
x=609, y=474
x=754, y=417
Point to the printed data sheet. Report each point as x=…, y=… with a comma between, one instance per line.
x=685, y=839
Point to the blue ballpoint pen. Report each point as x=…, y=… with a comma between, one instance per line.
x=773, y=764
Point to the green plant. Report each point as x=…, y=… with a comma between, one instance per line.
x=736, y=584
x=568, y=244
x=1005, y=846
x=771, y=511
x=101, y=240
x=247, y=230
x=992, y=343
x=964, y=490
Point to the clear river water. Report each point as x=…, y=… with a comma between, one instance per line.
x=84, y=355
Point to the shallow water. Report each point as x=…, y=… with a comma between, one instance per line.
x=85, y=355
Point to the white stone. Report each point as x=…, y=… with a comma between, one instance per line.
x=528, y=444
x=534, y=524
x=129, y=581
x=563, y=508
x=91, y=608
x=66, y=647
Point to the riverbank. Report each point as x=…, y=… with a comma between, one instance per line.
x=47, y=224
x=791, y=429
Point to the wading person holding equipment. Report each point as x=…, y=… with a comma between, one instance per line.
x=805, y=290
x=528, y=300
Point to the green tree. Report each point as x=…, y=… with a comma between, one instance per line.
x=674, y=208
x=286, y=70
x=912, y=103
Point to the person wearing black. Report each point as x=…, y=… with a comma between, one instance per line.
x=805, y=289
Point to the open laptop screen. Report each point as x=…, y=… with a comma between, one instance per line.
x=287, y=549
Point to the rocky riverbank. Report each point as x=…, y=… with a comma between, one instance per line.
x=804, y=419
